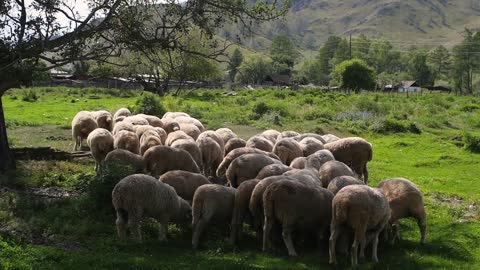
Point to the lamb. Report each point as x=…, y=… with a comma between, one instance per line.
x=176, y=135
x=287, y=134
x=247, y=167
x=212, y=134
x=298, y=163
x=192, y=148
x=170, y=125
x=190, y=129
x=161, y=159
x=296, y=206
x=122, y=112
x=211, y=202
x=226, y=134
x=287, y=149
x=140, y=195
x=240, y=208
x=272, y=170
x=82, y=124
x=310, y=145
x=355, y=152
x=122, y=126
x=136, y=120
x=340, y=182
x=127, y=140
x=360, y=208
x=271, y=134
x=212, y=155
x=152, y=120
x=239, y=152
x=190, y=120
x=133, y=163
x=317, y=159
x=330, y=138
x=260, y=142
x=184, y=183
x=332, y=169
x=104, y=119
x=234, y=143
x=100, y=142
x=405, y=200
x=149, y=140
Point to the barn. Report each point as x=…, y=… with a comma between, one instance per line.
x=409, y=87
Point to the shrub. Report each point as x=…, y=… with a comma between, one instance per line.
x=30, y=95
x=149, y=104
x=471, y=143
x=366, y=104
x=470, y=108
x=260, y=108
x=391, y=125
x=101, y=186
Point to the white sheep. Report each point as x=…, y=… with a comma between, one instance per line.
x=82, y=124
x=100, y=142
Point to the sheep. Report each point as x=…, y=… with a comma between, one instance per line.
x=152, y=120
x=340, y=182
x=305, y=175
x=122, y=126
x=310, y=145
x=405, y=200
x=355, y=152
x=125, y=159
x=272, y=170
x=360, y=208
x=122, y=112
x=192, y=148
x=140, y=195
x=287, y=149
x=170, y=125
x=298, y=163
x=190, y=129
x=210, y=202
x=287, y=134
x=127, y=140
x=212, y=134
x=332, y=169
x=260, y=142
x=212, y=155
x=184, y=183
x=162, y=133
x=271, y=134
x=240, y=208
x=190, y=120
x=317, y=159
x=330, y=138
x=100, y=142
x=149, y=140
x=226, y=134
x=82, y=124
x=222, y=168
x=309, y=135
x=234, y=143
x=174, y=115
x=104, y=119
x=136, y=120
x=247, y=167
x=139, y=130
x=176, y=135
x=119, y=119
x=161, y=159
x=296, y=206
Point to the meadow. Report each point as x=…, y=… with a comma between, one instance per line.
x=432, y=139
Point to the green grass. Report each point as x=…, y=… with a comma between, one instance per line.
x=74, y=233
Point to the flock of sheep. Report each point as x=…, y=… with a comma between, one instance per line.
x=308, y=183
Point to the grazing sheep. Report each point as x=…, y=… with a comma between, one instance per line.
x=152, y=120
x=309, y=135
x=298, y=163
x=82, y=124
x=212, y=134
x=148, y=141
x=139, y=130
x=211, y=202
x=140, y=195
x=239, y=152
x=305, y=175
x=190, y=129
x=192, y=148
x=212, y=155
x=317, y=159
x=310, y=145
x=119, y=119
x=340, y=182
x=170, y=125
x=240, y=208
x=190, y=120
x=161, y=159
x=330, y=138
x=174, y=115
x=405, y=200
x=184, y=183
x=104, y=119
x=226, y=134
x=246, y=167
x=125, y=159
x=122, y=126
x=360, y=208
x=136, y=120
x=332, y=169
x=176, y=135
x=355, y=152
x=122, y=112
x=260, y=142
x=234, y=143
x=162, y=133
x=287, y=149
x=272, y=170
x=127, y=140
x=296, y=206
x=287, y=134
x=271, y=134
x=100, y=142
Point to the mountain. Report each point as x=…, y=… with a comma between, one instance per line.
x=405, y=22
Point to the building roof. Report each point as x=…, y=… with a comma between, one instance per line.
x=407, y=84
x=285, y=79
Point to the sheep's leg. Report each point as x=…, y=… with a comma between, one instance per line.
x=334, y=233
x=121, y=223
x=162, y=232
x=287, y=238
x=374, y=248
x=134, y=226
x=359, y=240
x=267, y=228
x=422, y=224
x=365, y=174
x=197, y=231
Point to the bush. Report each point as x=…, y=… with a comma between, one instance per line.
x=149, y=104
x=471, y=143
x=391, y=125
x=101, y=186
x=260, y=108
x=30, y=95
x=470, y=108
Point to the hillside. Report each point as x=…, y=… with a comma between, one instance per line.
x=405, y=22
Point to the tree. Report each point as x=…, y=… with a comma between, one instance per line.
x=419, y=69
x=255, y=69
x=383, y=58
x=466, y=61
x=310, y=73
x=284, y=53
x=324, y=57
x=34, y=30
x=440, y=61
x=342, y=53
x=354, y=75
x=235, y=61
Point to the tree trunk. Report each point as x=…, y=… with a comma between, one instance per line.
x=7, y=160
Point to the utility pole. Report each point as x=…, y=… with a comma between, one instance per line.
x=350, y=45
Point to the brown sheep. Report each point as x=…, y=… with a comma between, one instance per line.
x=310, y=135
x=287, y=150
x=287, y=134
x=149, y=141
x=161, y=159
x=260, y=142
x=271, y=134
x=240, y=208
x=170, y=125
x=340, y=182
x=176, y=135
x=190, y=120
x=298, y=163
x=212, y=134
x=272, y=170
x=127, y=140
x=310, y=145
x=185, y=183
x=123, y=126
x=355, y=152
x=234, y=143
x=212, y=155
x=247, y=167
x=152, y=120
x=360, y=208
x=330, y=138
x=122, y=112
x=405, y=200
x=319, y=158
x=192, y=148
x=190, y=129
x=239, y=152
x=104, y=119
x=125, y=159
x=332, y=169
x=135, y=120
x=174, y=115
x=226, y=134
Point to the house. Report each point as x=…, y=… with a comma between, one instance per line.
x=409, y=87
x=283, y=80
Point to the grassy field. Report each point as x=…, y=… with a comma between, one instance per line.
x=423, y=138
